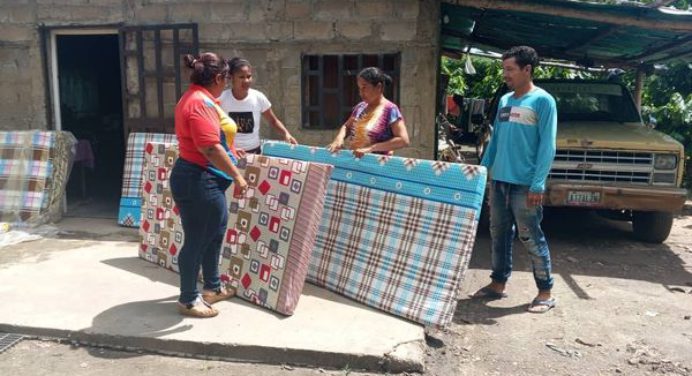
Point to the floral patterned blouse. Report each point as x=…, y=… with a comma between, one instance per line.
x=374, y=126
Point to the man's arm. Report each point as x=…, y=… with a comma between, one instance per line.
x=491, y=150
x=547, y=130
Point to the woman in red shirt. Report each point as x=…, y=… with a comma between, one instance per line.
x=200, y=177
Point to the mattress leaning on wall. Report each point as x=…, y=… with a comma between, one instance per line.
x=34, y=169
x=131, y=194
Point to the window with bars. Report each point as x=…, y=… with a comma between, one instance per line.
x=330, y=90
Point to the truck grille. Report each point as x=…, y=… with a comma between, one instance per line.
x=606, y=176
x=602, y=166
x=601, y=156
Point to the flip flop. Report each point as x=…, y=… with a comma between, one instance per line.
x=213, y=296
x=541, y=306
x=488, y=293
x=197, y=308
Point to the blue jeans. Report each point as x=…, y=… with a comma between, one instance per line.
x=200, y=197
x=508, y=213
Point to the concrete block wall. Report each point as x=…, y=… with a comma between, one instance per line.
x=272, y=34
x=21, y=95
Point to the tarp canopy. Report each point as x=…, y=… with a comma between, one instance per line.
x=590, y=34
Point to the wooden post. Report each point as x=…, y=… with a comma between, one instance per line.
x=638, y=86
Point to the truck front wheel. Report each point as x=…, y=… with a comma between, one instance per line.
x=652, y=227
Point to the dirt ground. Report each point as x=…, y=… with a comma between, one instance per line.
x=624, y=307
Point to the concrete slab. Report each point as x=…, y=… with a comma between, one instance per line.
x=100, y=292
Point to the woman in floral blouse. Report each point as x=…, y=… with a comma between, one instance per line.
x=376, y=125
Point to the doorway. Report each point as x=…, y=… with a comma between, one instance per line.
x=89, y=104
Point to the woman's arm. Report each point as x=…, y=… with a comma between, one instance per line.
x=400, y=140
x=338, y=142
x=270, y=117
x=216, y=154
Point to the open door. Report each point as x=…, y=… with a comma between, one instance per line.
x=83, y=86
x=151, y=69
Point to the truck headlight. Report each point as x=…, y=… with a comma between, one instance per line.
x=665, y=161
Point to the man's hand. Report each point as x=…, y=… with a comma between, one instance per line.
x=241, y=153
x=534, y=199
x=359, y=153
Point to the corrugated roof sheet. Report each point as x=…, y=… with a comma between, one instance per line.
x=588, y=33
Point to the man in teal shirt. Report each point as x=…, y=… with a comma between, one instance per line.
x=519, y=158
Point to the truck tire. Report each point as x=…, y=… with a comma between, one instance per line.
x=652, y=227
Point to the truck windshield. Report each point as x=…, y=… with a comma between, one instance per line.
x=592, y=102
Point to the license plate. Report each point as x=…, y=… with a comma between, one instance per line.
x=584, y=198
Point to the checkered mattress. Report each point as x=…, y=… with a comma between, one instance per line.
x=34, y=169
x=131, y=195
x=271, y=230
x=396, y=233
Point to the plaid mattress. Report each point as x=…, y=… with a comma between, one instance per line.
x=130, y=198
x=34, y=169
x=396, y=234
x=271, y=230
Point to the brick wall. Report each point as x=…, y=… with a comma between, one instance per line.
x=272, y=34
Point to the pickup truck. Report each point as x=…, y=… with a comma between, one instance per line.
x=607, y=159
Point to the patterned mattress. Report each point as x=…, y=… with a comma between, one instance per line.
x=397, y=233
x=160, y=229
x=131, y=195
x=271, y=230
x=34, y=169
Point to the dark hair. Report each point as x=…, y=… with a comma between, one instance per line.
x=523, y=55
x=375, y=76
x=236, y=64
x=205, y=67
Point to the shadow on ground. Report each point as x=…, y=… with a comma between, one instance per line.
x=583, y=243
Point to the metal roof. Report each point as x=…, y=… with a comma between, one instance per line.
x=590, y=34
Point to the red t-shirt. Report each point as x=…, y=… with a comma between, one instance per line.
x=196, y=124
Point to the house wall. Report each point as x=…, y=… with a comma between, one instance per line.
x=272, y=34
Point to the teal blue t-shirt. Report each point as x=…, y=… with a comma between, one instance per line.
x=522, y=146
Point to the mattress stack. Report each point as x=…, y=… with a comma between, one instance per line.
x=131, y=194
x=393, y=233
x=34, y=169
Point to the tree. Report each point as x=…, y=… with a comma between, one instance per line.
x=667, y=98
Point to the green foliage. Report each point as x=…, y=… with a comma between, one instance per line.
x=483, y=84
x=544, y=71
x=667, y=97
x=488, y=77
x=455, y=70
